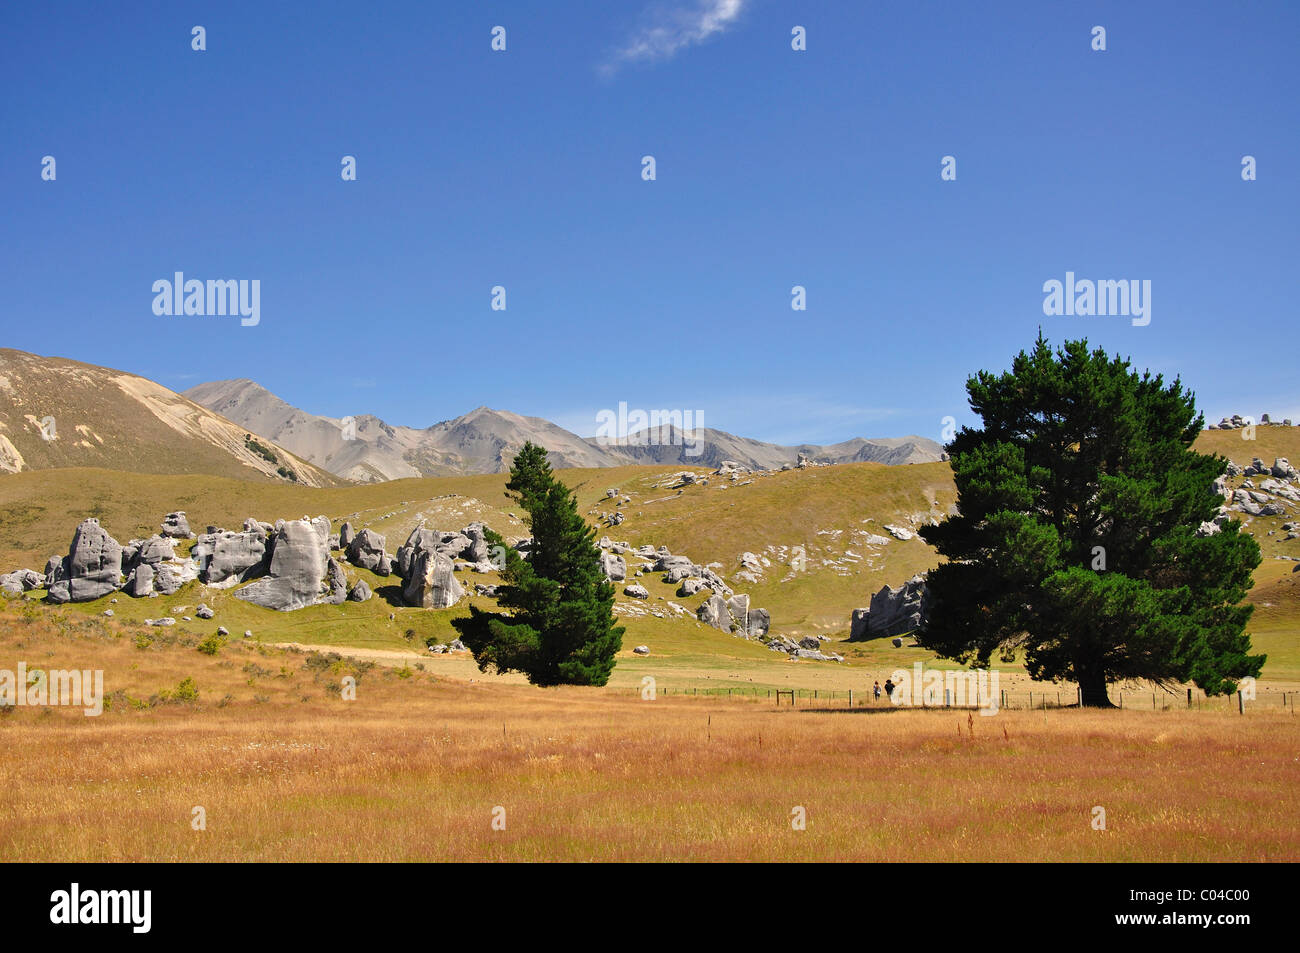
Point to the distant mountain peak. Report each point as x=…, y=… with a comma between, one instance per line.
x=483, y=440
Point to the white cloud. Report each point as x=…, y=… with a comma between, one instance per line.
x=666, y=30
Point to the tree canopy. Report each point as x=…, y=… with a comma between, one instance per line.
x=1077, y=540
x=558, y=627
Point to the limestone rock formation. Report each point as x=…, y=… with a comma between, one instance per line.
x=613, y=566
x=92, y=568
x=176, y=526
x=21, y=580
x=226, y=559
x=432, y=583
x=366, y=551
x=297, y=568
x=892, y=611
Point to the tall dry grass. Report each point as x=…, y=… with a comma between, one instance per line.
x=415, y=766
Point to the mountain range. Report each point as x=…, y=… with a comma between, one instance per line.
x=365, y=448
x=56, y=412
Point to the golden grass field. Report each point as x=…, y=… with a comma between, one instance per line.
x=415, y=767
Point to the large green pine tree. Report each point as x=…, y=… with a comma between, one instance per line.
x=558, y=627
x=1076, y=543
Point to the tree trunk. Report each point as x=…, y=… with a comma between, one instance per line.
x=1092, y=686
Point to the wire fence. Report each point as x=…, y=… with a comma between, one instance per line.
x=1132, y=699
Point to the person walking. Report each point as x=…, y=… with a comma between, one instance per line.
x=889, y=688
x=876, y=690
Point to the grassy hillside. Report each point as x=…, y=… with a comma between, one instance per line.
x=100, y=417
x=828, y=511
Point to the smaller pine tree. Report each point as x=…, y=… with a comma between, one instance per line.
x=558, y=627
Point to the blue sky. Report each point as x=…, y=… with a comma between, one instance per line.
x=775, y=168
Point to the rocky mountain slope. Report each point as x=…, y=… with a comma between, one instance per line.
x=366, y=449
x=61, y=413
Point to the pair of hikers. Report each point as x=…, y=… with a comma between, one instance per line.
x=889, y=689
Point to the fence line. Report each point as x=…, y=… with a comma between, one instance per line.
x=1039, y=700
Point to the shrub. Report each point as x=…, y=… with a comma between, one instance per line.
x=211, y=645
x=186, y=691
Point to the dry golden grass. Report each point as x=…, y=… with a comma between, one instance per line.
x=413, y=768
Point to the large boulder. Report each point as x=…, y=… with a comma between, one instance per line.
x=360, y=592
x=93, y=567
x=227, y=559
x=420, y=540
x=21, y=580
x=366, y=551
x=453, y=544
x=139, y=583
x=169, y=577
x=299, y=556
x=346, y=535
x=714, y=581
x=713, y=611
x=337, y=581
x=678, y=573
x=749, y=622
x=858, y=624
x=893, y=611
x=479, y=549
x=154, y=550
x=432, y=582
x=613, y=566
x=56, y=568
x=666, y=562
x=177, y=526
x=690, y=587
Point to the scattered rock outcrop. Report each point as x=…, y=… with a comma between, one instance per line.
x=425, y=563
x=892, y=611
x=734, y=614
x=1237, y=422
